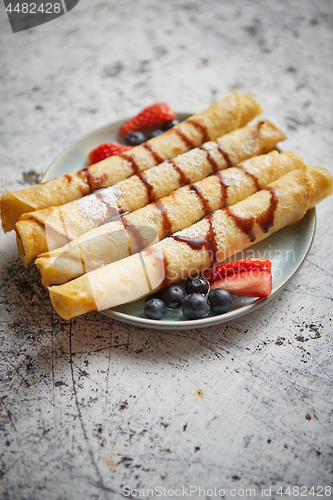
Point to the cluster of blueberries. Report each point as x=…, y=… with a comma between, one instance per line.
x=196, y=300
x=136, y=138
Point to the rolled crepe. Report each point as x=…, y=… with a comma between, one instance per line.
x=132, y=233
x=222, y=117
x=207, y=242
x=50, y=228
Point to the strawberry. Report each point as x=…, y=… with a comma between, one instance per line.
x=155, y=114
x=246, y=278
x=104, y=151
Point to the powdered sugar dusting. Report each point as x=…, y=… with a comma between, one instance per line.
x=110, y=195
x=97, y=206
x=93, y=208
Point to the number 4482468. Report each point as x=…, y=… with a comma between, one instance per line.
x=31, y=8
x=304, y=491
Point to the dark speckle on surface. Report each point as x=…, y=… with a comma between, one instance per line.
x=31, y=177
x=252, y=29
x=113, y=70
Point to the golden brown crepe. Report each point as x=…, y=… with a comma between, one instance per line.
x=222, y=117
x=207, y=242
x=64, y=223
x=185, y=206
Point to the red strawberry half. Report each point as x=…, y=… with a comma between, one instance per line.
x=246, y=278
x=104, y=151
x=155, y=114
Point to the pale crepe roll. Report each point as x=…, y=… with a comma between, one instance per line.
x=52, y=227
x=207, y=242
x=185, y=206
x=222, y=117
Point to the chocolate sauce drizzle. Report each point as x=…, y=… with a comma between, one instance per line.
x=244, y=223
x=86, y=174
x=154, y=154
x=112, y=212
x=200, y=126
x=224, y=190
x=189, y=143
x=149, y=187
x=131, y=228
x=265, y=220
x=210, y=159
x=225, y=155
x=183, y=179
x=208, y=242
x=132, y=162
x=68, y=178
x=194, y=243
x=204, y=202
x=251, y=175
x=92, y=182
x=211, y=240
x=166, y=224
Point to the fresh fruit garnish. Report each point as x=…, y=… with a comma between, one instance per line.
x=254, y=284
x=104, y=151
x=231, y=268
x=198, y=284
x=195, y=306
x=155, y=114
x=170, y=124
x=135, y=138
x=220, y=300
x=154, y=308
x=246, y=278
x=212, y=290
x=174, y=296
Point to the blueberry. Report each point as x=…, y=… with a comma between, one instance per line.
x=170, y=124
x=174, y=296
x=220, y=300
x=155, y=133
x=195, y=306
x=134, y=138
x=198, y=284
x=154, y=309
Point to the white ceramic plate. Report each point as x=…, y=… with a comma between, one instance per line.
x=287, y=249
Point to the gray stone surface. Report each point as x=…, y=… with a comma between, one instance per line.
x=91, y=406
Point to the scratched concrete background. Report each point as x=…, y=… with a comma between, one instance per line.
x=91, y=406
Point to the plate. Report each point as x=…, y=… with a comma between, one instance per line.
x=287, y=249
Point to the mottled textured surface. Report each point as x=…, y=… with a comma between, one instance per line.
x=90, y=406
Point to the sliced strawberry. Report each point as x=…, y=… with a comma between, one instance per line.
x=104, y=151
x=247, y=284
x=246, y=277
x=155, y=114
x=232, y=268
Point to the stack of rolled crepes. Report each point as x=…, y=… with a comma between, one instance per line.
x=220, y=118
x=53, y=227
x=211, y=240
x=226, y=190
